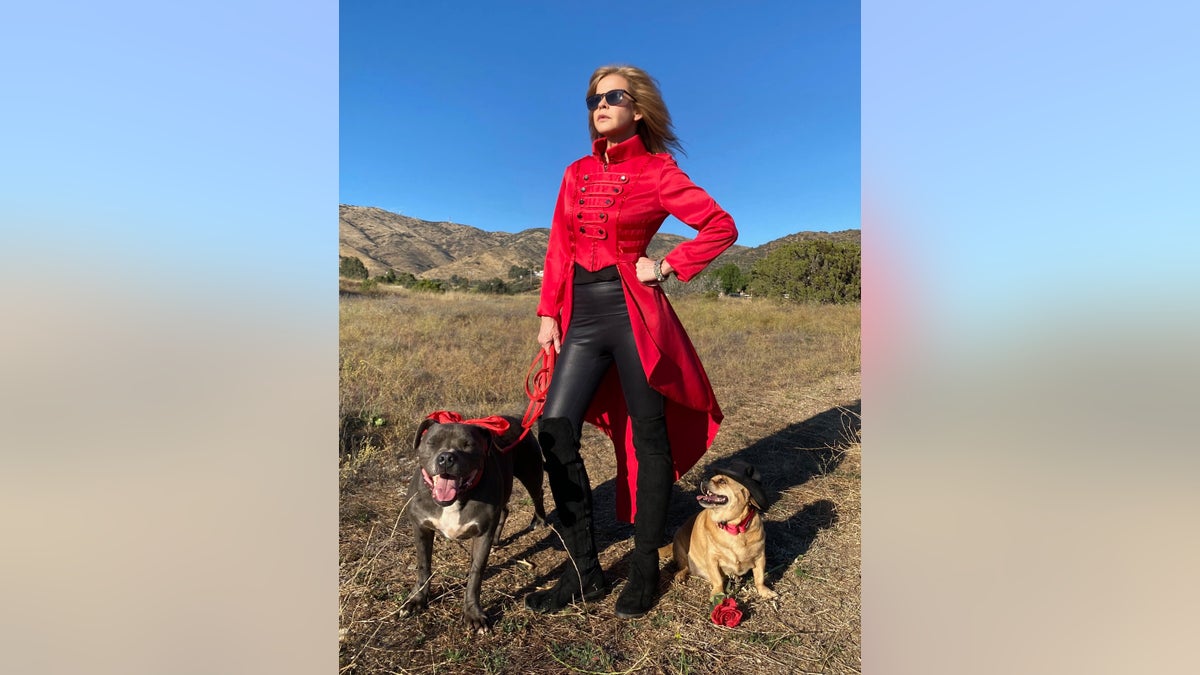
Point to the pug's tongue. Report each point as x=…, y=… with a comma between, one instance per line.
x=445, y=489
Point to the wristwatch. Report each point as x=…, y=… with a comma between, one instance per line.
x=658, y=271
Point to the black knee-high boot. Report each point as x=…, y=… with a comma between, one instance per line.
x=656, y=475
x=572, y=492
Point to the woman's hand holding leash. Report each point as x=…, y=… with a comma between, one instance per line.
x=549, y=335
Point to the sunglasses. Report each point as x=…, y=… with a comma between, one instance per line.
x=614, y=97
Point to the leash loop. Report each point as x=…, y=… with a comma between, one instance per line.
x=537, y=383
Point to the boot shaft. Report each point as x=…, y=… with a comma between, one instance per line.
x=655, y=476
x=571, y=488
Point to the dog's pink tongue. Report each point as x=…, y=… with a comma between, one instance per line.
x=445, y=489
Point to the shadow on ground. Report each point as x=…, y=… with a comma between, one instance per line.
x=786, y=459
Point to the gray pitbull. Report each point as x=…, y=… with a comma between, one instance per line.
x=461, y=489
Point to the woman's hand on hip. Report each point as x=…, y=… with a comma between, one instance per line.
x=645, y=270
x=549, y=335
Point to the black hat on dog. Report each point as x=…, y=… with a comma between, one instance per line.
x=748, y=477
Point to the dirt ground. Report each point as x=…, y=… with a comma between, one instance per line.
x=813, y=562
x=805, y=441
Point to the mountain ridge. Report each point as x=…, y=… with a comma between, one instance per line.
x=384, y=241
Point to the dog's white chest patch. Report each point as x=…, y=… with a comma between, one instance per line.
x=451, y=524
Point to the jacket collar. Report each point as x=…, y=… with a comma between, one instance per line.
x=626, y=149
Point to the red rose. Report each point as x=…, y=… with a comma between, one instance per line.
x=727, y=613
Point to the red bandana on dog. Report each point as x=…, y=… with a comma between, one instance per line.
x=740, y=527
x=495, y=423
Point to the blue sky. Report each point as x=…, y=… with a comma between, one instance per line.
x=450, y=111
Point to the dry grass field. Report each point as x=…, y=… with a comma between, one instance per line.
x=787, y=378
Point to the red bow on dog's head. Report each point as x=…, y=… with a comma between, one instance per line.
x=495, y=423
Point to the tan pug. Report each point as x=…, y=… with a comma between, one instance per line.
x=727, y=537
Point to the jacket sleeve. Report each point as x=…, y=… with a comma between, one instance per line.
x=558, y=256
x=691, y=204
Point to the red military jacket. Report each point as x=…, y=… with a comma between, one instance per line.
x=606, y=215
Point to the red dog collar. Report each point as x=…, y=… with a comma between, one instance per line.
x=740, y=527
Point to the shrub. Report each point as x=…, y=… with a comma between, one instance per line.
x=493, y=285
x=430, y=285
x=731, y=279
x=351, y=267
x=810, y=271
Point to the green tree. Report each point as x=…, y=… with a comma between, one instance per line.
x=730, y=279
x=518, y=272
x=430, y=285
x=351, y=267
x=817, y=270
x=493, y=285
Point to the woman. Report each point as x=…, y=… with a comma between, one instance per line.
x=625, y=363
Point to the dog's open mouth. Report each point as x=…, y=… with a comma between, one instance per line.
x=708, y=499
x=444, y=487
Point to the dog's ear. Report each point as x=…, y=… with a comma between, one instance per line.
x=425, y=424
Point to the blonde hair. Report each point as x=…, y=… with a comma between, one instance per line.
x=655, y=125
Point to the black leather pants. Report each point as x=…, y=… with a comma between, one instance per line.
x=599, y=336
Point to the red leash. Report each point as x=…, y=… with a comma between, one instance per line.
x=537, y=382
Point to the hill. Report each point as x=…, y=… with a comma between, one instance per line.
x=744, y=257
x=439, y=250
